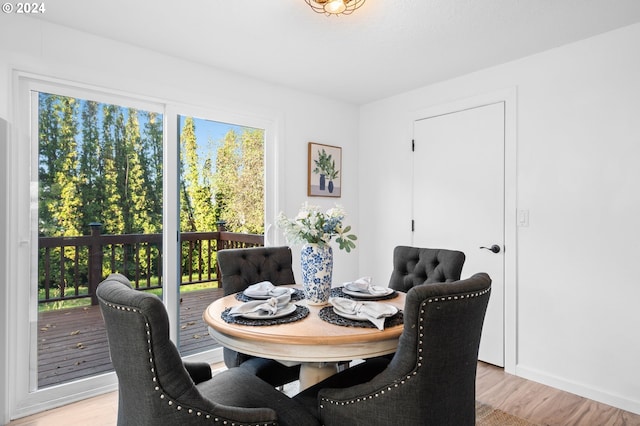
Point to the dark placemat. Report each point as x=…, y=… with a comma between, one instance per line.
x=295, y=296
x=337, y=292
x=327, y=314
x=300, y=313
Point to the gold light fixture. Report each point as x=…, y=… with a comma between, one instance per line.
x=335, y=7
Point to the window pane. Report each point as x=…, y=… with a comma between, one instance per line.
x=100, y=211
x=221, y=187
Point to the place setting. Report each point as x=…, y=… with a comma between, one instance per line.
x=353, y=313
x=265, y=290
x=362, y=288
x=266, y=305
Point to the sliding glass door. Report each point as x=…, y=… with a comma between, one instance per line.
x=104, y=182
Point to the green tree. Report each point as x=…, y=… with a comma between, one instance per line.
x=65, y=204
x=66, y=207
x=153, y=163
x=197, y=211
x=91, y=175
x=48, y=135
x=249, y=201
x=139, y=220
x=188, y=161
x=239, y=181
x=113, y=211
x=196, y=196
x=226, y=181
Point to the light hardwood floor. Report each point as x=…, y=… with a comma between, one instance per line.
x=542, y=404
x=537, y=403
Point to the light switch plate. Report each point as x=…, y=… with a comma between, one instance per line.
x=523, y=218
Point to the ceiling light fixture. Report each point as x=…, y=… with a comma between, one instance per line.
x=335, y=7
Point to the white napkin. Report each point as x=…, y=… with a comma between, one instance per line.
x=271, y=305
x=363, y=285
x=265, y=288
x=375, y=312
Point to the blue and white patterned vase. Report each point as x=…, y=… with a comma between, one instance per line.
x=317, y=268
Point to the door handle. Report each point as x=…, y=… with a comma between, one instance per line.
x=494, y=248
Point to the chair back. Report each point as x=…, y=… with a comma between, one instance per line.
x=154, y=388
x=241, y=268
x=431, y=379
x=414, y=266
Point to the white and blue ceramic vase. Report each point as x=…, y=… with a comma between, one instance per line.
x=317, y=268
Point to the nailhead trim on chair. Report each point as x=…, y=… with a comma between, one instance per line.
x=419, y=363
x=157, y=388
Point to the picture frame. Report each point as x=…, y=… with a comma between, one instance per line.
x=324, y=170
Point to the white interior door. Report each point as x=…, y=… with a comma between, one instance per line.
x=458, y=200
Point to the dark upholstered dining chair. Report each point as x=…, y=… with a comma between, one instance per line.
x=414, y=266
x=243, y=267
x=240, y=268
x=155, y=386
x=431, y=379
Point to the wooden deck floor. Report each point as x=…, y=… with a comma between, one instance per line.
x=72, y=343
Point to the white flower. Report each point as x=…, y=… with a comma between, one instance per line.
x=313, y=226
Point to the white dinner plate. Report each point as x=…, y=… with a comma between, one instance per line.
x=287, y=310
x=363, y=295
x=392, y=311
x=348, y=316
x=265, y=297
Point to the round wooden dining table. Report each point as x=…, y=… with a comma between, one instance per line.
x=318, y=346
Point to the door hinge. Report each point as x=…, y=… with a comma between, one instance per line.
x=413, y=145
x=413, y=225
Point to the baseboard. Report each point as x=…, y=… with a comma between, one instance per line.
x=579, y=389
x=45, y=400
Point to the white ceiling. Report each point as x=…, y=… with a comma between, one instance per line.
x=382, y=49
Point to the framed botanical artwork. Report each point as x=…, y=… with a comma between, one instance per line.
x=324, y=170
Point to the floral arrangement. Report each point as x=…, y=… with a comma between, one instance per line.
x=311, y=225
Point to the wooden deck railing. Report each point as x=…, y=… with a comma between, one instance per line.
x=72, y=267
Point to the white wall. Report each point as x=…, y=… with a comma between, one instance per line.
x=37, y=47
x=578, y=174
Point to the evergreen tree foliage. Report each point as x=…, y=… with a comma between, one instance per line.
x=153, y=160
x=112, y=216
x=197, y=213
x=226, y=180
x=249, y=200
x=229, y=188
x=66, y=207
x=48, y=135
x=138, y=220
x=104, y=163
x=91, y=167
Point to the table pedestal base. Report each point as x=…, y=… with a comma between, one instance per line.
x=314, y=372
